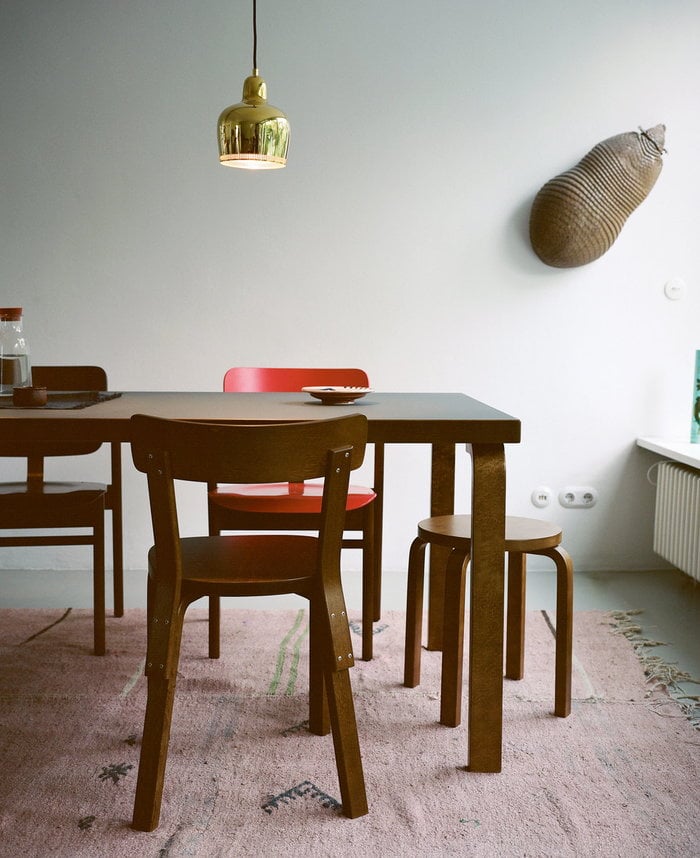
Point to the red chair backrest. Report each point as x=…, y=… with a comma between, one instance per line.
x=261, y=379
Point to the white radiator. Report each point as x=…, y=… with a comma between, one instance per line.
x=677, y=519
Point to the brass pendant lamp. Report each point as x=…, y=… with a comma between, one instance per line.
x=253, y=134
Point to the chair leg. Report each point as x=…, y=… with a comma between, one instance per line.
x=156, y=733
x=414, y=614
x=98, y=584
x=346, y=743
x=515, y=616
x=377, y=587
x=214, y=601
x=319, y=717
x=150, y=600
x=214, y=626
x=118, y=572
x=376, y=511
x=368, y=584
x=565, y=623
x=453, y=640
x=154, y=752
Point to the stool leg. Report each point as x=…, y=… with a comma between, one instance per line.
x=565, y=628
x=453, y=640
x=515, y=616
x=414, y=613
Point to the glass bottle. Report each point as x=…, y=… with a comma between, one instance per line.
x=15, y=369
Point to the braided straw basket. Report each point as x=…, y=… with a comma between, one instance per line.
x=577, y=215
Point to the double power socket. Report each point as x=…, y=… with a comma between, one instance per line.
x=573, y=497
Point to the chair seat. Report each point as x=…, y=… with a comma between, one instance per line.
x=284, y=497
x=244, y=565
x=49, y=492
x=522, y=534
x=54, y=504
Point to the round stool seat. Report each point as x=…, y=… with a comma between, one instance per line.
x=525, y=535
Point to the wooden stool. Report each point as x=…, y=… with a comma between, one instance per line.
x=523, y=536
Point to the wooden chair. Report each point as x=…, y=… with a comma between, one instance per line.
x=40, y=505
x=295, y=505
x=182, y=570
x=523, y=536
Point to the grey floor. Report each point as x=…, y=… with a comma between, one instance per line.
x=669, y=600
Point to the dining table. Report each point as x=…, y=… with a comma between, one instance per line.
x=441, y=420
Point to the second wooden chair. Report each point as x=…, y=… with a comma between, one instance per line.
x=55, y=507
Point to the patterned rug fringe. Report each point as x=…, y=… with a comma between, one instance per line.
x=661, y=675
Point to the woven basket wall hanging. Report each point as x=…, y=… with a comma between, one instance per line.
x=577, y=215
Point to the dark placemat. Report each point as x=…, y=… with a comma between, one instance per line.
x=65, y=399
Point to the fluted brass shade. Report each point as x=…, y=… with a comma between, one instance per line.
x=253, y=134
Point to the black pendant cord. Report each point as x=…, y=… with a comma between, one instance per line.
x=255, y=34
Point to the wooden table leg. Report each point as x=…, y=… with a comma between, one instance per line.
x=442, y=498
x=485, y=724
x=114, y=496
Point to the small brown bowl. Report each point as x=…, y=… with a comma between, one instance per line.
x=29, y=397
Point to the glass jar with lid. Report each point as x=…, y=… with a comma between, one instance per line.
x=15, y=368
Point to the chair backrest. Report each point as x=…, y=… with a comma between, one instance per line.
x=56, y=378
x=70, y=377
x=261, y=379
x=168, y=450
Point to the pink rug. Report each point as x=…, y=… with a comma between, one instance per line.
x=619, y=777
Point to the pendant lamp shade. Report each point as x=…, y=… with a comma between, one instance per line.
x=253, y=134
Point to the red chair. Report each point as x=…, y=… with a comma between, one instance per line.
x=295, y=506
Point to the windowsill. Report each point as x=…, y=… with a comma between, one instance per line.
x=673, y=448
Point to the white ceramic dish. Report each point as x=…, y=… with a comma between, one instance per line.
x=334, y=395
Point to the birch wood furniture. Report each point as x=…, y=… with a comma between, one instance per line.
x=441, y=420
x=56, y=506
x=296, y=505
x=523, y=536
x=182, y=570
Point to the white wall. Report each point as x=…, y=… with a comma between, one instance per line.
x=396, y=239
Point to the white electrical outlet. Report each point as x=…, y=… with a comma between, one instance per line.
x=541, y=496
x=578, y=497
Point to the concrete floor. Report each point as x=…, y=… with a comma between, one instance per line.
x=669, y=600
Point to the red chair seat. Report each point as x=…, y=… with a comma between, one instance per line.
x=284, y=497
